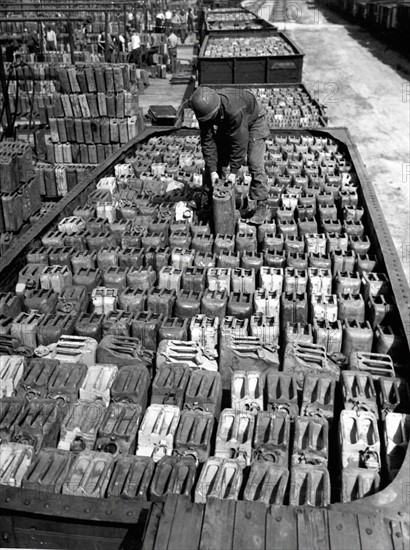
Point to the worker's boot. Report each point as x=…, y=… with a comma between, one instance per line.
x=261, y=214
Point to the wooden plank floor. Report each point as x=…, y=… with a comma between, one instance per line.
x=238, y=525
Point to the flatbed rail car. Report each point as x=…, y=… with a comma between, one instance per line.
x=64, y=521
x=230, y=67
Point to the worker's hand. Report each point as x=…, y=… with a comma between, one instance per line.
x=232, y=178
x=214, y=177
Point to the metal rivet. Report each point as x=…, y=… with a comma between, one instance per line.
x=129, y=513
x=278, y=518
x=401, y=514
x=398, y=535
x=339, y=526
x=87, y=510
x=369, y=531
x=66, y=508
x=8, y=499
x=26, y=502
x=46, y=505
x=108, y=512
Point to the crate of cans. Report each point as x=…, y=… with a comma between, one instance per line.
x=256, y=58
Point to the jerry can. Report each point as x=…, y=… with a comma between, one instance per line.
x=376, y=364
x=15, y=460
x=161, y=301
x=357, y=483
x=351, y=307
x=73, y=301
x=267, y=483
x=187, y=304
x=359, y=440
x=213, y=303
x=228, y=260
x=97, y=383
x=52, y=326
x=89, y=325
x=25, y=328
x=303, y=359
x=247, y=353
x=267, y=302
x=35, y=378
x=83, y=259
x=393, y=394
x=219, y=279
x=357, y=336
x=293, y=308
x=317, y=482
x=80, y=425
x=204, y=392
x=319, y=260
x=169, y=385
x=265, y=328
x=145, y=326
x=396, y=440
x=157, y=431
x=65, y=381
x=220, y=478
x=123, y=350
x=104, y=299
x=193, y=278
x=173, y=475
x=89, y=474
x=235, y=435
x=38, y=424
x=240, y=305
x=12, y=369
x=48, y=470
x=282, y=393
x=193, y=436
x=231, y=327
x=74, y=349
x=310, y=443
x=359, y=393
x=247, y=391
x=318, y=397
x=224, y=243
x=131, y=477
x=272, y=437
x=142, y=278
x=181, y=258
x=173, y=328
x=132, y=300
x=116, y=323
x=189, y=354
x=117, y=433
x=204, y=331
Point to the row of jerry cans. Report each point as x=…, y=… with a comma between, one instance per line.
x=58, y=180
x=90, y=131
x=90, y=105
x=18, y=206
x=62, y=153
x=16, y=165
x=102, y=475
x=104, y=78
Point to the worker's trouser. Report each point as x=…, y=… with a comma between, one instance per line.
x=172, y=52
x=258, y=132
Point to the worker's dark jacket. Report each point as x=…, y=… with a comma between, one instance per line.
x=240, y=119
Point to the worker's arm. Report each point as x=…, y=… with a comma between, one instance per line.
x=209, y=149
x=238, y=135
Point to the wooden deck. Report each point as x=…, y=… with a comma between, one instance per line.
x=178, y=524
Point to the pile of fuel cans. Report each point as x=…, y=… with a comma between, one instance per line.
x=144, y=352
